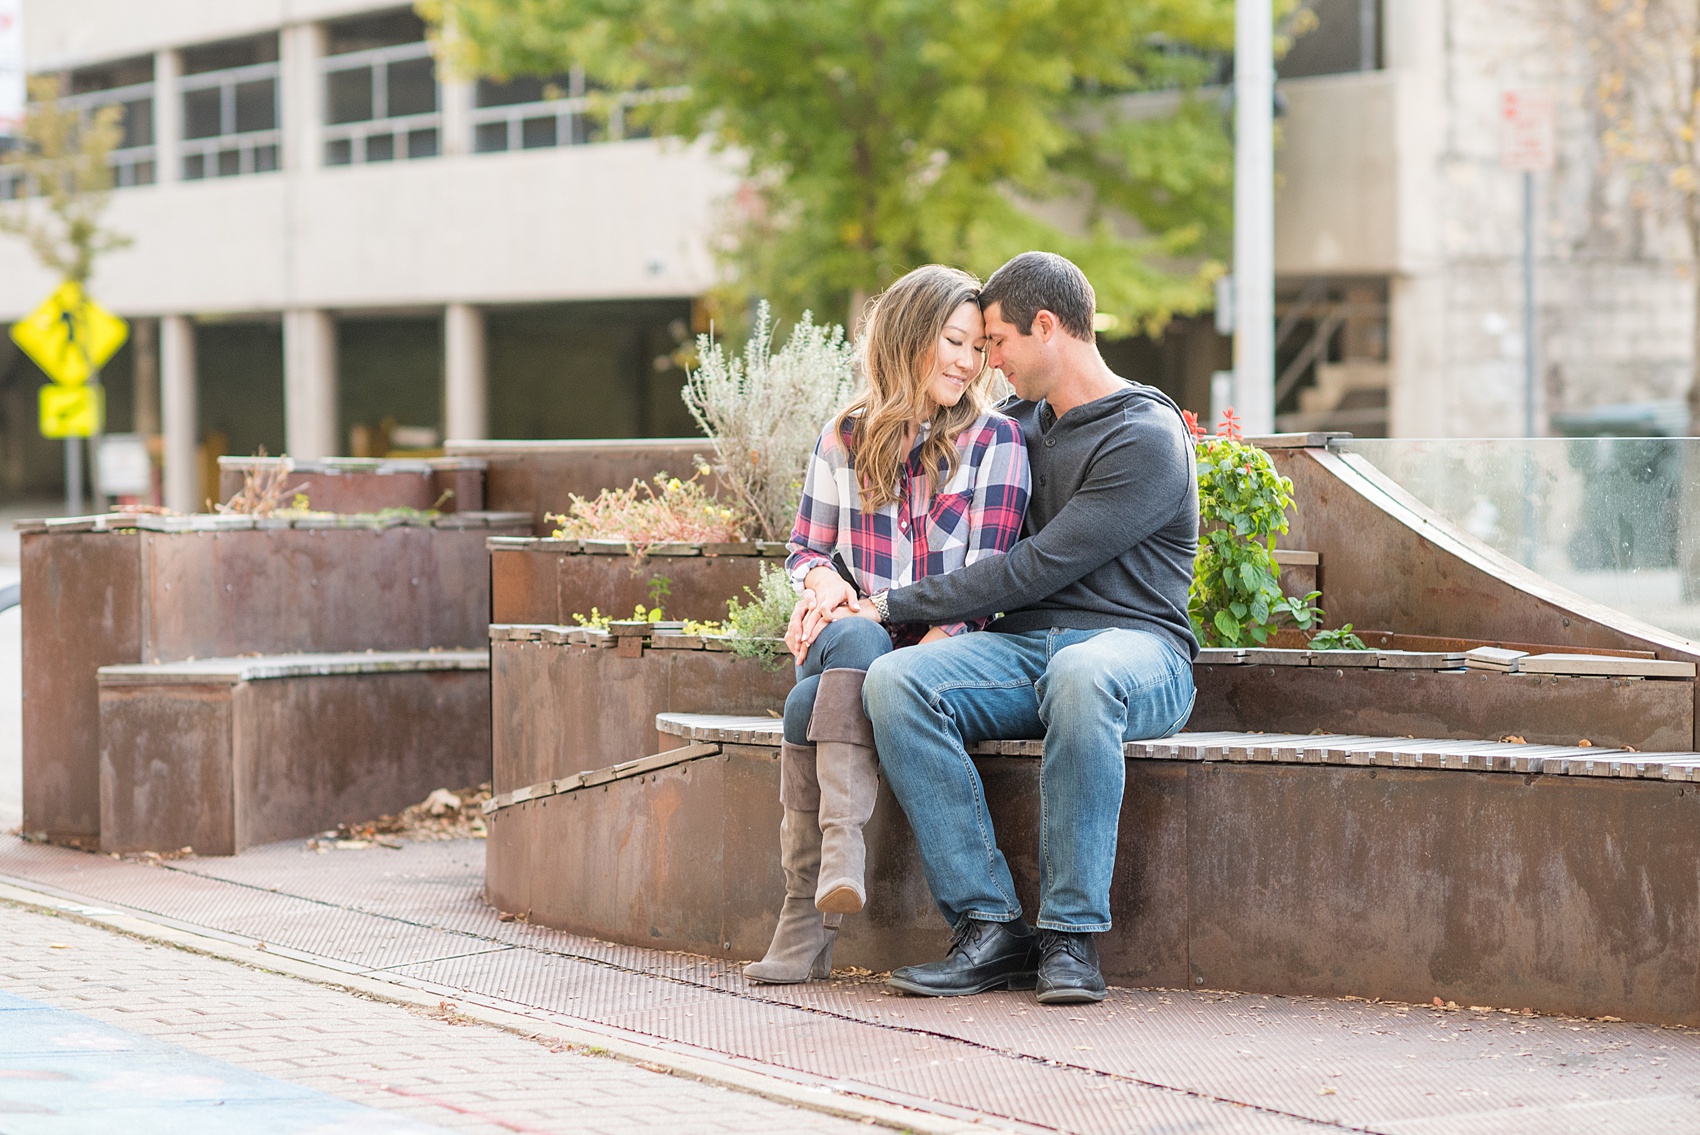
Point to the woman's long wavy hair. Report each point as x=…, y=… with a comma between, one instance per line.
x=899, y=348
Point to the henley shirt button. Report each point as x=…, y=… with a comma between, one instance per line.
x=1049, y=442
x=1044, y=480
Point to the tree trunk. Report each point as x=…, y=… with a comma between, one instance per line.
x=858, y=305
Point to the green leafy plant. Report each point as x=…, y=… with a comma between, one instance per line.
x=757, y=628
x=1341, y=638
x=1236, y=599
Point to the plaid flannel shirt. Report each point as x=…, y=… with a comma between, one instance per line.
x=978, y=513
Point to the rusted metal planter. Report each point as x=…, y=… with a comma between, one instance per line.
x=356, y=485
x=686, y=858
x=1648, y=714
x=1295, y=866
x=559, y=707
x=223, y=754
x=549, y=581
x=118, y=590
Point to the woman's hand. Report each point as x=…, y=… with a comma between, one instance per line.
x=934, y=634
x=794, y=640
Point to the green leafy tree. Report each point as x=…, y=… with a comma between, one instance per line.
x=62, y=155
x=882, y=134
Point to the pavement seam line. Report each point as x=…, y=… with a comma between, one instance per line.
x=845, y=1102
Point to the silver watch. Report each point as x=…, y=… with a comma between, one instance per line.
x=882, y=606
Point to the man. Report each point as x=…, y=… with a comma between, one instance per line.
x=1093, y=648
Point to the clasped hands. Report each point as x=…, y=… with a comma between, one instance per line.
x=826, y=599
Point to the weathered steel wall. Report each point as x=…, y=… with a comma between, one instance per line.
x=686, y=858
x=559, y=709
x=1391, y=563
x=1646, y=714
x=82, y=611
x=93, y=599
x=210, y=594
x=222, y=767
x=168, y=768
x=539, y=584
x=1563, y=894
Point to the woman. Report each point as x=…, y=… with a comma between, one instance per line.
x=914, y=477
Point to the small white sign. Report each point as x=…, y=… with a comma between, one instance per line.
x=125, y=468
x=12, y=95
x=1527, y=131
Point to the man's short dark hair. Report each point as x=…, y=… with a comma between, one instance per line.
x=1042, y=281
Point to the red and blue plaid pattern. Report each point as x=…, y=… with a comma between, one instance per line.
x=978, y=513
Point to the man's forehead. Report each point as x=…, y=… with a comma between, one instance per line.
x=995, y=322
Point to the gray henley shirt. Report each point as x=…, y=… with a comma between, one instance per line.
x=1111, y=531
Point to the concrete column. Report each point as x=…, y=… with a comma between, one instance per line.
x=309, y=384
x=144, y=345
x=457, y=96
x=465, y=382
x=300, y=48
x=178, y=413
x=167, y=116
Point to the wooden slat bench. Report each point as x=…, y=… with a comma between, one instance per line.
x=221, y=754
x=1559, y=878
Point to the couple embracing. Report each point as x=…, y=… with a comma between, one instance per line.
x=968, y=574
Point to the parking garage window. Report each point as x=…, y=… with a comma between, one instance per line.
x=381, y=97
x=230, y=112
x=564, y=110
x=128, y=84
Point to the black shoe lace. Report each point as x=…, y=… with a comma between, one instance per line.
x=1074, y=945
x=970, y=928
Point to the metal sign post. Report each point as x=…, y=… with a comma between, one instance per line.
x=1527, y=146
x=1254, y=217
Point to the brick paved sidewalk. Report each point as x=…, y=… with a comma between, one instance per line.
x=434, y=1068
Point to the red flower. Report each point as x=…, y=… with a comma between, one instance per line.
x=1191, y=420
x=1230, y=427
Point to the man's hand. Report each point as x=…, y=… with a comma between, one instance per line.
x=825, y=597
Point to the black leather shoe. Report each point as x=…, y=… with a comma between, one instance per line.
x=983, y=955
x=1068, y=968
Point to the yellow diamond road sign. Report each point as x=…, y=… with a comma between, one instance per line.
x=70, y=336
x=72, y=411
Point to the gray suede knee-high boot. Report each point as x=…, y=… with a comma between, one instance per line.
x=848, y=772
x=802, y=942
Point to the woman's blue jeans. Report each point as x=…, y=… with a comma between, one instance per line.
x=1084, y=692
x=848, y=644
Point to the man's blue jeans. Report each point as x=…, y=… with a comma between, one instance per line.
x=1084, y=692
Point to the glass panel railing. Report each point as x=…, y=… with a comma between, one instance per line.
x=1605, y=517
